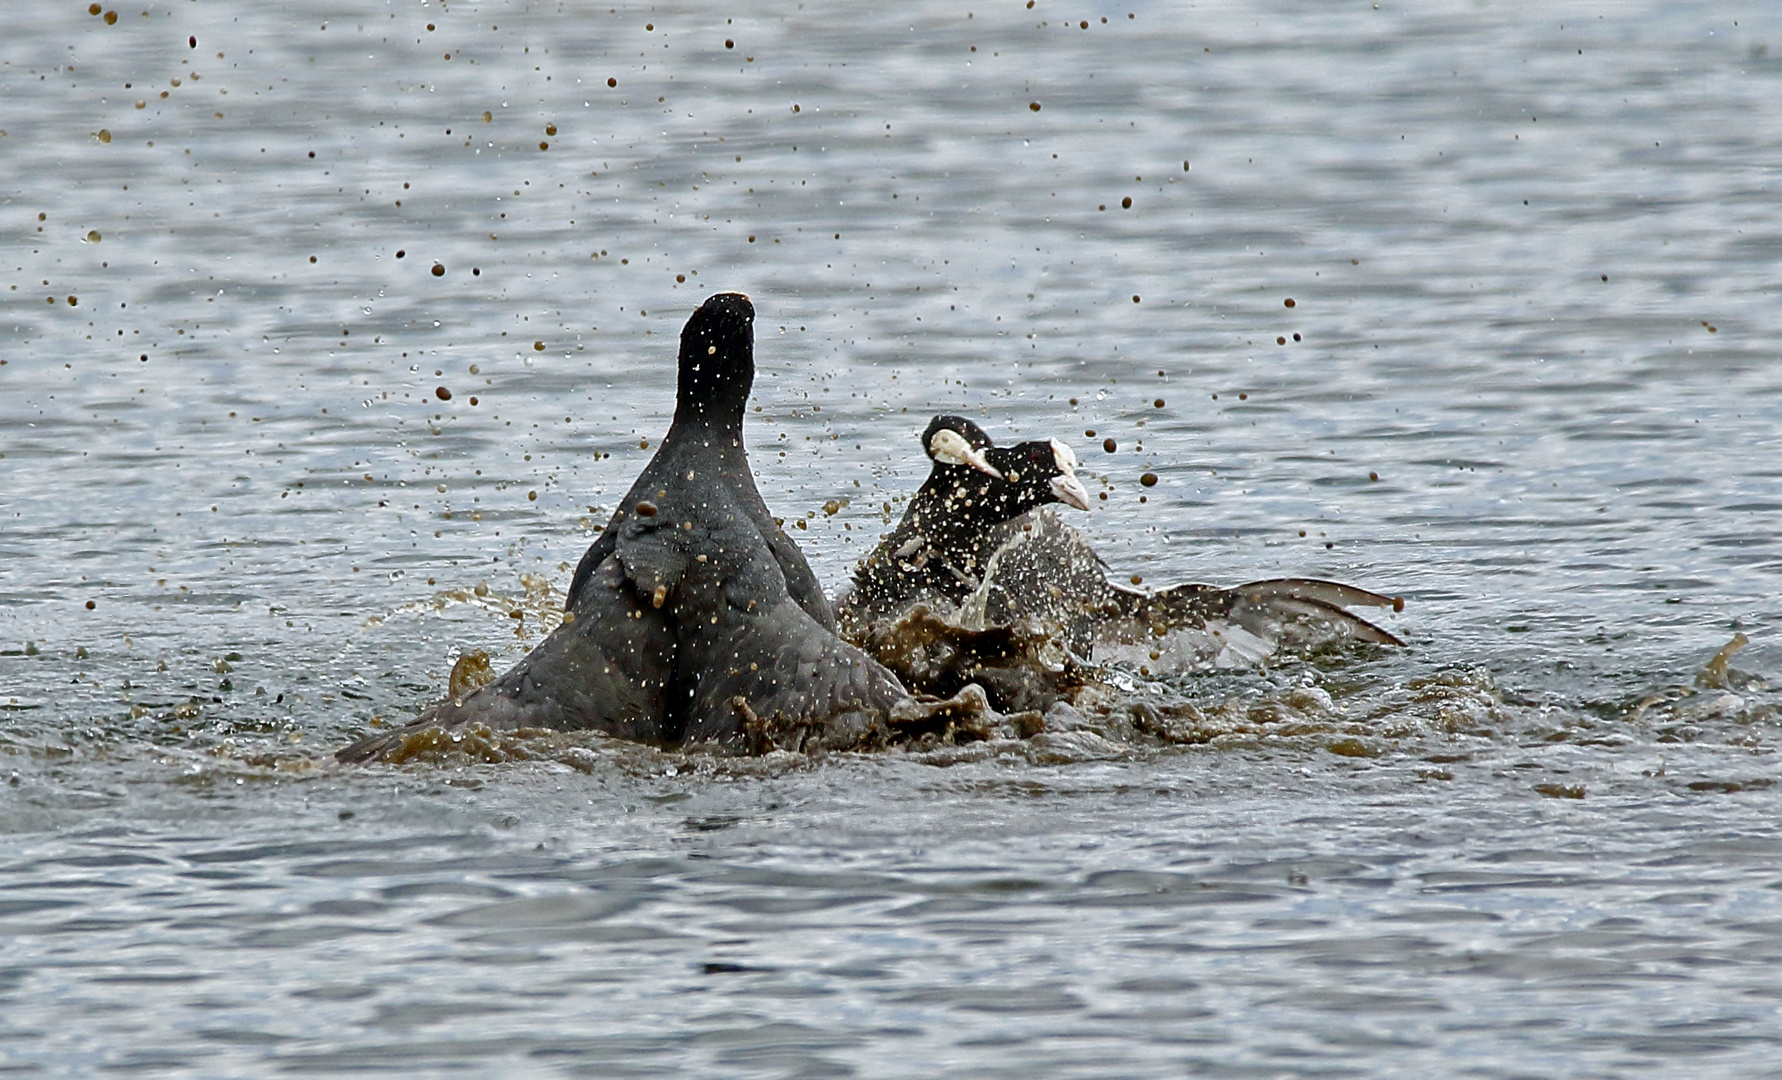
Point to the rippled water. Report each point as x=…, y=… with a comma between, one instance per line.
x=1533, y=263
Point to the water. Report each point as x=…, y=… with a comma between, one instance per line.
x=1533, y=258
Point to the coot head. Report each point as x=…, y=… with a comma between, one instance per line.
x=953, y=522
x=955, y=442
x=1036, y=473
x=717, y=365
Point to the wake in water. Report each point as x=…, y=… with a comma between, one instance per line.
x=1013, y=643
x=1365, y=703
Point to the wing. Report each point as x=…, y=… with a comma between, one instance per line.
x=1305, y=611
x=801, y=583
x=591, y=559
x=1240, y=625
x=777, y=678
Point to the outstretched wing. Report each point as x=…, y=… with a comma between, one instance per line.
x=1308, y=611
x=1291, y=612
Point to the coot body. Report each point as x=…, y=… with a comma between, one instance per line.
x=693, y=617
x=936, y=554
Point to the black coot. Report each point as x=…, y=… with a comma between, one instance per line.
x=936, y=554
x=692, y=617
x=1008, y=586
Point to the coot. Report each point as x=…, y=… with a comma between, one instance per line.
x=693, y=617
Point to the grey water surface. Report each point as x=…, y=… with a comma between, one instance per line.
x=1473, y=303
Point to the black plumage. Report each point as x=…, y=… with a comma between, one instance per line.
x=1009, y=588
x=936, y=554
x=693, y=617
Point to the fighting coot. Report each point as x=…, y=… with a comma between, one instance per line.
x=981, y=582
x=936, y=554
x=692, y=617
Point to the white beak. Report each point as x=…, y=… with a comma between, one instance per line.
x=1070, y=491
x=950, y=448
x=1066, y=486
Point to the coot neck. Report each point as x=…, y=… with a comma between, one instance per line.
x=705, y=446
x=708, y=423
